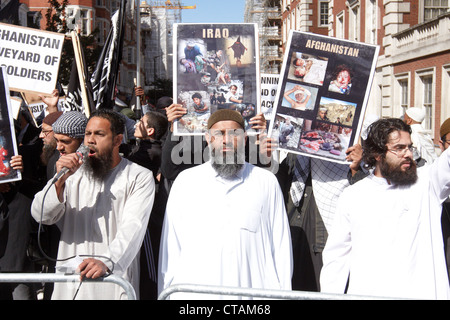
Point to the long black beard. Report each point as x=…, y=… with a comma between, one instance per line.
x=227, y=165
x=395, y=174
x=99, y=166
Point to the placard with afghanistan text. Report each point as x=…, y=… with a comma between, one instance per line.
x=322, y=95
x=31, y=57
x=216, y=66
x=8, y=143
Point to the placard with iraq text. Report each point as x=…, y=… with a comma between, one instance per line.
x=216, y=66
x=322, y=95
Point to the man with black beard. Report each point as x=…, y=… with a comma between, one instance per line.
x=102, y=208
x=225, y=221
x=386, y=237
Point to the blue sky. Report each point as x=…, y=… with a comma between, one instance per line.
x=213, y=11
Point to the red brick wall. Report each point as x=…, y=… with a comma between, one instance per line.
x=435, y=61
x=315, y=20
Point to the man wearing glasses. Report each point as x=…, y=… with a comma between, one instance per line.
x=49, y=154
x=444, y=133
x=386, y=239
x=444, y=144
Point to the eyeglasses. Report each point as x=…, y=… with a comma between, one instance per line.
x=446, y=141
x=45, y=133
x=400, y=150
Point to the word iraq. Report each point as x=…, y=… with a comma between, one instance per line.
x=334, y=48
x=216, y=33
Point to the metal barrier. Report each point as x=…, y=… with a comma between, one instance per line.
x=54, y=277
x=260, y=293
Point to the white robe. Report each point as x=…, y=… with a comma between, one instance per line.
x=389, y=239
x=225, y=233
x=422, y=141
x=106, y=218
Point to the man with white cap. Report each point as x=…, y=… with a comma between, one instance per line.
x=419, y=136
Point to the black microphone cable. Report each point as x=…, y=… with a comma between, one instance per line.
x=68, y=258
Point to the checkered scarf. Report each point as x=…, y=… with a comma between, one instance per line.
x=328, y=181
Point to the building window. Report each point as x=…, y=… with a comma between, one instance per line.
x=323, y=13
x=79, y=19
x=372, y=25
x=401, y=93
x=353, y=21
x=404, y=101
x=434, y=8
x=114, y=6
x=340, y=25
x=427, y=82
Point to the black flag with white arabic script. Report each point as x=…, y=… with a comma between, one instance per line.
x=74, y=98
x=104, y=77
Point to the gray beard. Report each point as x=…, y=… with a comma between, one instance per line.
x=227, y=166
x=47, y=152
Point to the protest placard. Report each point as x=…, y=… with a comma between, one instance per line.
x=8, y=143
x=31, y=57
x=322, y=95
x=36, y=108
x=269, y=85
x=216, y=66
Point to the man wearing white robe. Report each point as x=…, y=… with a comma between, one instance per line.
x=225, y=229
x=386, y=237
x=420, y=137
x=102, y=220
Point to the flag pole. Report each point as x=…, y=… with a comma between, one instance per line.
x=80, y=68
x=138, y=58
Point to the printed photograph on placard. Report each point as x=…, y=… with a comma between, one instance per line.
x=8, y=144
x=323, y=139
x=287, y=131
x=336, y=111
x=322, y=95
x=215, y=67
x=299, y=97
x=308, y=68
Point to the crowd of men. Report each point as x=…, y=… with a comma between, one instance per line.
x=107, y=195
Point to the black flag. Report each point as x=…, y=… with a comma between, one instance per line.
x=74, y=98
x=73, y=101
x=104, y=77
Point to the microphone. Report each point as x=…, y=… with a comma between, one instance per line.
x=81, y=152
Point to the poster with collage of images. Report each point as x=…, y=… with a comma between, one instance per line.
x=8, y=143
x=216, y=66
x=322, y=95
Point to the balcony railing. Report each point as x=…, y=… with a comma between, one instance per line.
x=426, y=34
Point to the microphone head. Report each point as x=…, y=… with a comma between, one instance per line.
x=82, y=152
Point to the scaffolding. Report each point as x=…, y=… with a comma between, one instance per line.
x=267, y=15
x=157, y=20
